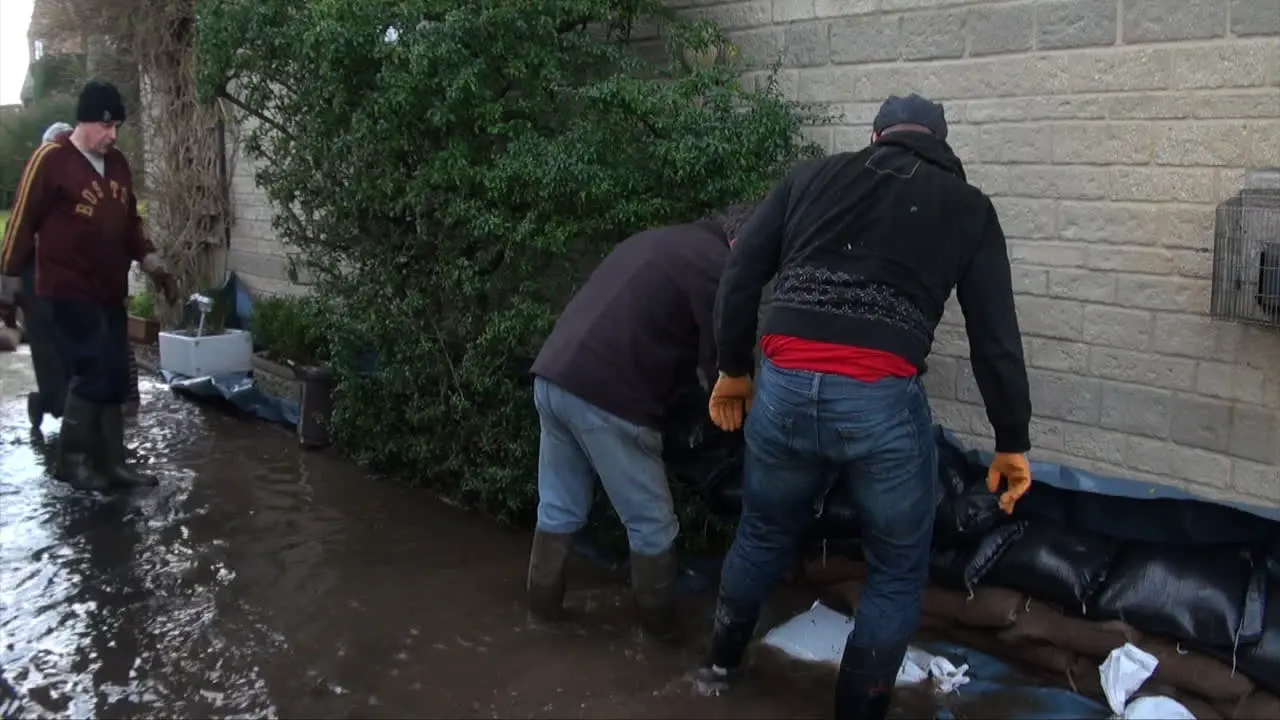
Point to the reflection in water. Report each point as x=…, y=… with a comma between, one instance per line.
x=261, y=580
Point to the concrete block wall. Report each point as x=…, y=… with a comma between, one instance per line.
x=1106, y=131
x=257, y=256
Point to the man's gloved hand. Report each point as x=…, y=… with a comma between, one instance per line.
x=730, y=402
x=164, y=281
x=1014, y=469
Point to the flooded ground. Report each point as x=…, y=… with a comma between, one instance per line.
x=260, y=579
x=263, y=580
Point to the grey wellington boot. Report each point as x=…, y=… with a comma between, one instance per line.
x=653, y=584
x=548, y=562
x=114, y=453
x=35, y=409
x=81, y=447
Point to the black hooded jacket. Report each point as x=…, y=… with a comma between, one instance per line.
x=867, y=248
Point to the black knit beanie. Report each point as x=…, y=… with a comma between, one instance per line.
x=99, y=101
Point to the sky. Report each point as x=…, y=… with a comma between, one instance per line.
x=15, y=16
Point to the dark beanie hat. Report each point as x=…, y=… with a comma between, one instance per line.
x=99, y=101
x=912, y=110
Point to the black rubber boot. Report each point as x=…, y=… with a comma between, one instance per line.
x=80, y=447
x=35, y=410
x=114, y=453
x=730, y=637
x=548, y=562
x=864, y=686
x=653, y=584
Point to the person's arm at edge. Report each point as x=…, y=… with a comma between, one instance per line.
x=985, y=293
x=752, y=262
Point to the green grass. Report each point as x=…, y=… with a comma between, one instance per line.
x=4, y=220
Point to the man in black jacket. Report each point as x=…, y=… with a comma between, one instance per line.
x=866, y=248
x=628, y=344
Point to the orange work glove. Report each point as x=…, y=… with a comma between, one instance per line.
x=730, y=402
x=1014, y=469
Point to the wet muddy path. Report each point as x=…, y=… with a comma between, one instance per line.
x=263, y=580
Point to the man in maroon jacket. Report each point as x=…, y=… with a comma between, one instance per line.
x=77, y=194
x=629, y=343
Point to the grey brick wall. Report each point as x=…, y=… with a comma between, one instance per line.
x=255, y=254
x=1106, y=131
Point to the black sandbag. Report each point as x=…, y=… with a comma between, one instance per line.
x=1253, y=620
x=1187, y=594
x=838, y=516
x=1261, y=660
x=991, y=549
x=723, y=487
x=1055, y=564
x=947, y=567
x=687, y=433
x=966, y=509
x=961, y=568
x=1168, y=521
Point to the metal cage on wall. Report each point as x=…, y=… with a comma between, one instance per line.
x=1246, y=258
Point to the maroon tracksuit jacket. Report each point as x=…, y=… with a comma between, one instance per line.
x=89, y=227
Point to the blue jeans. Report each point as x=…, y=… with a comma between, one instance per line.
x=876, y=438
x=581, y=442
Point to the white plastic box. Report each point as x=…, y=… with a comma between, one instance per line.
x=226, y=353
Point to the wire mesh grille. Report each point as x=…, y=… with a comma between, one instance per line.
x=1246, y=258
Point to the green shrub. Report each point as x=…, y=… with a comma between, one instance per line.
x=143, y=305
x=448, y=190
x=21, y=132
x=283, y=326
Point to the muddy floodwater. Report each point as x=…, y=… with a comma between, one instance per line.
x=263, y=580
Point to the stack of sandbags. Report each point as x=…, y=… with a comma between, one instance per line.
x=1008, y=624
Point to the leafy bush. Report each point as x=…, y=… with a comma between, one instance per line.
x=449, y=172
x=284, y=327
x=59, y=74
x=21, y=132
x=143, y=305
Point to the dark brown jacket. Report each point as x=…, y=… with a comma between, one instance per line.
x=632, y=338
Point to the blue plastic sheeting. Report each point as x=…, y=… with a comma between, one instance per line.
x=240, y=392
x=1127, y=509
x=1073, y=480
x=997, y=689
x=232, y=295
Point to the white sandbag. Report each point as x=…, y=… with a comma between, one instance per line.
x=1123, y=673
x=818, y=635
